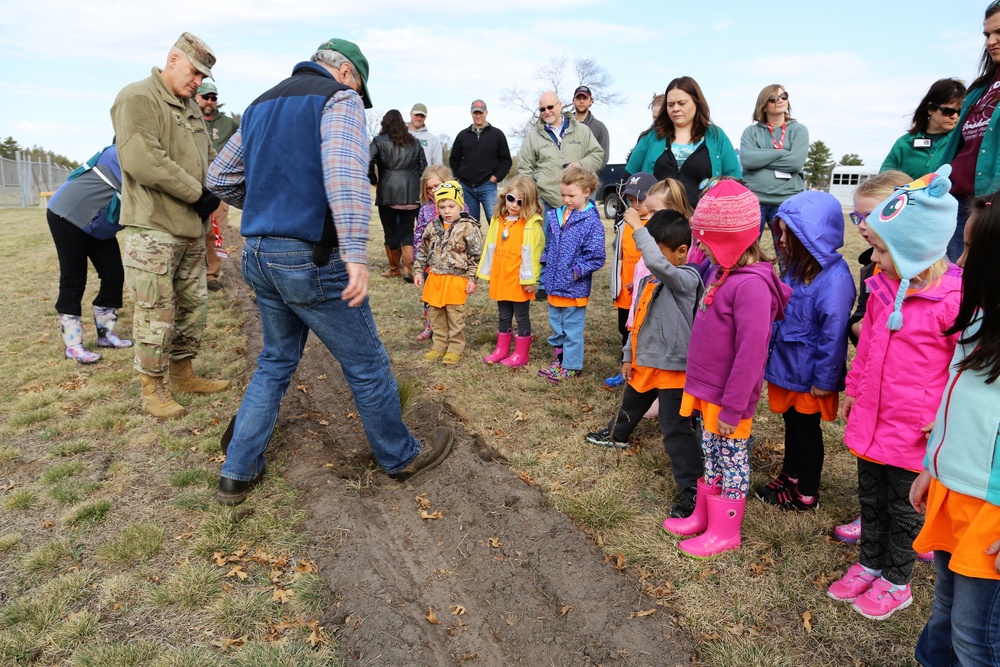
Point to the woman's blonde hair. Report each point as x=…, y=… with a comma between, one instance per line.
x=580, y=177
x=882, y=185
x=531, y=205
x=760, y=111
x=439, y=171
x=674, y=196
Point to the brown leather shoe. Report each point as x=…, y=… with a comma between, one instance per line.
x=431, y=454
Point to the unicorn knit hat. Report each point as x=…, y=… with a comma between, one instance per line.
x=915, y=223
x=450, y=190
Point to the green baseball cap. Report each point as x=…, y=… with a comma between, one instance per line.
x=351, y=51
x=206, y=88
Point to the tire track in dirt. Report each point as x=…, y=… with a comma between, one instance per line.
x=509, y=578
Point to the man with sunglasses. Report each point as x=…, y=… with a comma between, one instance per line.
x=480, y=158
x=220, y=127
x=555, y=142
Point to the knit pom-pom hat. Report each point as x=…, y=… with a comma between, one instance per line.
x=727, y=220
x=915, y=223
x=450, y=190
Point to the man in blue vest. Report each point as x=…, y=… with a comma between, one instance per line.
x=298, y=167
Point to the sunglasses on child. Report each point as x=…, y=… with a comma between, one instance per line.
x=511, y=199
x=858, y=218
x=947, y=112
x=782, y=96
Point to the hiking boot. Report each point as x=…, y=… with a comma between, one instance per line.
x=560, y=374
x=769, y=492
x=432, y=355
x=431, y=454
x=234, y=491
x=157, y=399
x=684, y=506
x=853, y=584
x=882, y=600
x=451, y=358
x=603, y=438
x=848, y=532
x=184, y=381
x=614, y=382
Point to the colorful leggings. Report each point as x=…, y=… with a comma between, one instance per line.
x=728, y=458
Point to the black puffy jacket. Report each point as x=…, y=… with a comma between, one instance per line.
x=398, y=171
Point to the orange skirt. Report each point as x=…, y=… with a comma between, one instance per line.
x=710, y=416
x=645, y=378
x=963, y=526
x=781, y=400
x=442, y=290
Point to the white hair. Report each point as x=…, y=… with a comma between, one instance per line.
x=335, y=59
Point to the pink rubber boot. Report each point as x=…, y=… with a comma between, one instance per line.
x=502, y=350
x=698, y=521
x=522, y=345
x=725, y=516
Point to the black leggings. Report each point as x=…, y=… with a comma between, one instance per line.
x=623, y=330
x=803, y=450
x=397, y=225
x=889, y=524
x=74, y=248
x=508, y=310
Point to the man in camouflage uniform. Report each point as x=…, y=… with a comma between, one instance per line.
x=164, y=151
x=220, y=127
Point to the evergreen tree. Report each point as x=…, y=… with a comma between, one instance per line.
x=851, y=160
x=9, y=148
x=819, y=164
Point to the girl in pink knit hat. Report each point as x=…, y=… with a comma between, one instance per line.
x=725, y=369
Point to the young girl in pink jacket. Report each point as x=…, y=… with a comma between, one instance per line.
x=895, y=384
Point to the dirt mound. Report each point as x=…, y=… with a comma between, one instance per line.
x=467, y=565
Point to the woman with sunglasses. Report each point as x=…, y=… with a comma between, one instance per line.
x=683, y=143
x=974, y=150
x=919, y=151
x=773, y=153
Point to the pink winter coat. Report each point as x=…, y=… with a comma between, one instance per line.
x=898, y=377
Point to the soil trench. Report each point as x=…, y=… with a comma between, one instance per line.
x=508, y=579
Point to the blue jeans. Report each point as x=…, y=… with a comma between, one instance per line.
x=767, y=213
x=567, y=332
x=956, y=246
x=294, y=297
x=964, y=627
x=485, y=194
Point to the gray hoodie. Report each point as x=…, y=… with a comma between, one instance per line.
x=430, y=143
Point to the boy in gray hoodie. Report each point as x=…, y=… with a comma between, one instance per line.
x=656, y=351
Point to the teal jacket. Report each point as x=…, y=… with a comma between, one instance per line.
x=988, y=163
x=916, y=162
x=720, y=150
x=961, y=450
x=760, y=161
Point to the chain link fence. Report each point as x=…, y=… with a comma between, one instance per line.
x=25, y=182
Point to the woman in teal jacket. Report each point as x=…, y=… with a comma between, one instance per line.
x=919, y=151
x=683, y=143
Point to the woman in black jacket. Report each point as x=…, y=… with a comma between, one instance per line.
x=397, y=161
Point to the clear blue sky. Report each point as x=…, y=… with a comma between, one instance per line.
x=854, y=69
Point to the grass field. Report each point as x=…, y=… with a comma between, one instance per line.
x=113, y=551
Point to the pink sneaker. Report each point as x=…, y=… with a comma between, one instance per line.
x=880, y=602
x=853, y=584
x=848, y=532
x=925, y=556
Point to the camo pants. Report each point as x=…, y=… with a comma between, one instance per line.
x=165, y=275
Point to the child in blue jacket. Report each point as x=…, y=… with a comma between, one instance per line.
x=574, y=250
x=808, y=358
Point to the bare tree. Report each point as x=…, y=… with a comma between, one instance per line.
x=373, y=120
x=553, y=75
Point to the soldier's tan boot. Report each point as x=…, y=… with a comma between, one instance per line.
x=184, y=381
x=157, y=399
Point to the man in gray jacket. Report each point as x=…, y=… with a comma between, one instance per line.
x=556, y=142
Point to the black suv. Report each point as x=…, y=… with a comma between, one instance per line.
x=611, y=178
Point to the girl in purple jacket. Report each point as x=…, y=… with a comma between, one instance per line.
x=574, y=250
x=896, y=382
x=808, y=359
x=725, y=369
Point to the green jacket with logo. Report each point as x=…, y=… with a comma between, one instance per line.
x=220, y=129
x=164, y=151
x=988, y=163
